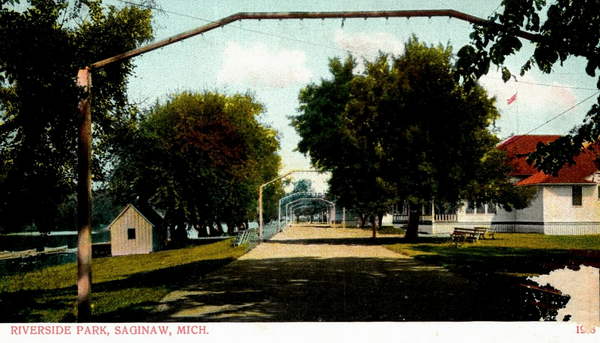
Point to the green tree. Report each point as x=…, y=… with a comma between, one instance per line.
x=407, y=130
x=199, y=158
x=42, y=45
x=563, y=29
x=303, y=185
x=329, y=136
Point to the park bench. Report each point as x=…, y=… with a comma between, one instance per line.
x=461, y=234
x=482, y=231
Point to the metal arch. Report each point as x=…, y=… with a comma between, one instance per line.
x=309, y=193
x=331, y=203
x=295, y=207
x=290, y=195
x=260, y=195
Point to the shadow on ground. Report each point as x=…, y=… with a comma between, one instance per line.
x=487, y=259
x=340, y=289
x=35, y=305
x=367, y=241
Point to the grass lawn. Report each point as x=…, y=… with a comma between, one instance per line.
x=125, y=288
x=519, y=254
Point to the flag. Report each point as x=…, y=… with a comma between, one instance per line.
x=511, y=99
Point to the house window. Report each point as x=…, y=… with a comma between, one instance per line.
x=131, y=233
x=577, y=196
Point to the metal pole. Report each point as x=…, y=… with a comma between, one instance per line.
x=334, y=221
x=279, y=215
x=260, y=212
x=84, y=200
x=343, y=217
x=307, y=15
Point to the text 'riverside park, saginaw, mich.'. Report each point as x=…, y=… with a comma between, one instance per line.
x=106, y=330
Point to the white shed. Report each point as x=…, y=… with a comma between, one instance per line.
x=134, y=231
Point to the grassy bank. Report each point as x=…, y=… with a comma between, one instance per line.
x=125, y=288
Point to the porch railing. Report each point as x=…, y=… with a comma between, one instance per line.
x=445, y=217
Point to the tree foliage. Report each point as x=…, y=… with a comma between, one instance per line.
x=302, y=185
x=404, y=129
x=42, y=46
x=199, y=158
x=563, y=29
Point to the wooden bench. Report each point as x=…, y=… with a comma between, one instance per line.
x=483, y=231
x=461, y=234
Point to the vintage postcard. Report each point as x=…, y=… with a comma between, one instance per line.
x=299, y=170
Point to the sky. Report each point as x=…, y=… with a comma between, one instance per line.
x=274, y=59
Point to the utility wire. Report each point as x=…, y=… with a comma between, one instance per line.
x=561, y=113
x=550, y=85
x=555, y=117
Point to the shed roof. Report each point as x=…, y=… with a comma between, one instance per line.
x=146, y=211
x=518, y=146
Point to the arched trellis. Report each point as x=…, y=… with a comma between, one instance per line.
x=292, y=195
x=84, y=79
x=260, y=196
x=330, y=203
x=295, y=207
x=293, y=210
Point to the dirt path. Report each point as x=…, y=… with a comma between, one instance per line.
x=312, y=273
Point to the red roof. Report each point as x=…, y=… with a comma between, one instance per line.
x=518, y=146
x=585, y=163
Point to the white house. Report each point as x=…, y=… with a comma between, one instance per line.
x=565, y=204
x=133, y=232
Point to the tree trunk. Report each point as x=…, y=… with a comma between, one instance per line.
x=180, y=235
x=363, y=219
x=216, y=229
x=230, y=228
x=380, y=216
x=202, y=229
x=374, y=226
x=414, y=215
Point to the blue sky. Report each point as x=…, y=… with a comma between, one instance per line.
x=275, y=59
